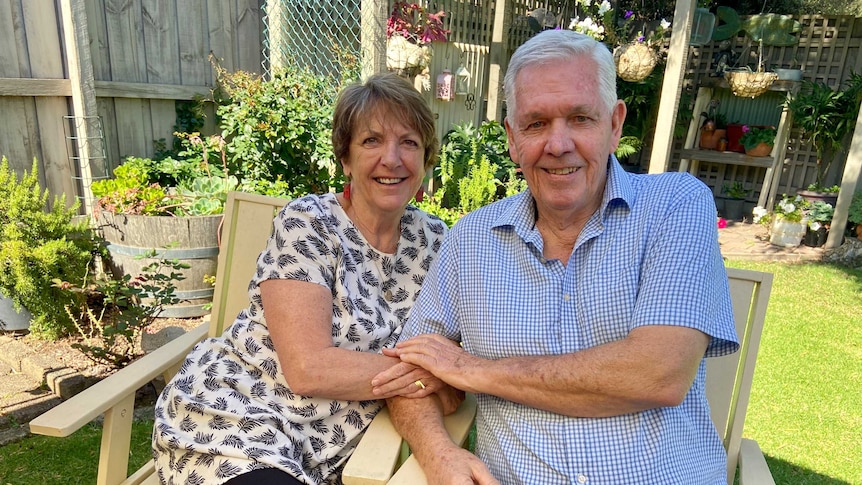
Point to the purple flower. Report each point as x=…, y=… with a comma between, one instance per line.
x=745, y=129
x=629, y=13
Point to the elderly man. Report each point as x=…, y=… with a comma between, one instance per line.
x=585, y=305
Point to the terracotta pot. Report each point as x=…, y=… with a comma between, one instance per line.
x=709, y=139
x=759, y=150
x=734, y=133
x=859, y=232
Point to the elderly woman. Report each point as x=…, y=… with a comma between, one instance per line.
x=285, y=394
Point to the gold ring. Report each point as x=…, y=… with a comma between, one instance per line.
x=419, y=383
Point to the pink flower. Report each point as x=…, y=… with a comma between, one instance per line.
x=745, y=129
x=722, y=223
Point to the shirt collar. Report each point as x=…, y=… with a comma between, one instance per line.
x=521, y=213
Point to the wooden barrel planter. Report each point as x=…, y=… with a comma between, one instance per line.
x=192, y=240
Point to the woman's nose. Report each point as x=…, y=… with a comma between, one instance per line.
x=392, y=154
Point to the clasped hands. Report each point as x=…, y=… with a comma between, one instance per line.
x=429, y=359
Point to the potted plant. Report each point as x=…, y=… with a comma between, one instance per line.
x=735, y=200
x=819, y=216
x=827, y=117
x=714, y=127
x=854, y=213
x=37, y=245
x=758, y=140
x=636, y=52
x=409, y=30
x=787, y=223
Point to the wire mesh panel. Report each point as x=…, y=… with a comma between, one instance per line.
x=322, y=36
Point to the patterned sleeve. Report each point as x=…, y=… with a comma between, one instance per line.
x=301, y=246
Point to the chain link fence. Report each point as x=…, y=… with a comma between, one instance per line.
x=323, y=36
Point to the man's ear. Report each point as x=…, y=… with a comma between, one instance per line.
x=618, y=117
x=513, y=154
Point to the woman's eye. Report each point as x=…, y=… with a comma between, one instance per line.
x=412, y=143
x=370, y=140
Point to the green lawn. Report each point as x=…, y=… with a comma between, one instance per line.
x=805, y=410
x=806, y=398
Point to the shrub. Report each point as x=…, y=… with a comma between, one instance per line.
x=280, y=128
x=37, y=245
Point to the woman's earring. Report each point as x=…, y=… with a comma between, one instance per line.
x=347, y=191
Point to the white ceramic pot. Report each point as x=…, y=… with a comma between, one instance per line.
x=12, y=319
x=787, y=234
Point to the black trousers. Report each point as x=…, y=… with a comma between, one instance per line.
x=264, y=476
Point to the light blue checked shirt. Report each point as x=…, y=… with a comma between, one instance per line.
x=648, y=256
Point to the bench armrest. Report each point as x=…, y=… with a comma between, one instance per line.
x=753, y=469
x=376, y=457
x=71, y=415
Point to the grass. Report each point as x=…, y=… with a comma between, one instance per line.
x=805, y=409
x=66, y=461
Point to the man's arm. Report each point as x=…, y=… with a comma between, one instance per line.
x=654, y=366
x=420, y=422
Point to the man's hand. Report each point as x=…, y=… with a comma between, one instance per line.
x=456, y=466
x=434, y=353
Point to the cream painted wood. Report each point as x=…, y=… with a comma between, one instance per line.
x=728, y=385
x=671, y=87
x=247, y=225
x=849, y=185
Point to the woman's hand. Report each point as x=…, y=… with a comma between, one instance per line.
x=444, y=358
x=408, y=380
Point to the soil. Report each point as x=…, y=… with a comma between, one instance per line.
x=62, y=352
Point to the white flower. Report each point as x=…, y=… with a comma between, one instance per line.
x=665, y=24
x=758, y=213
x=786, y=207
x=604, y=7
x=589, y=27
x=814, y=226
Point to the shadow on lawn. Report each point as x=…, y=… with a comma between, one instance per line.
x=786, y=473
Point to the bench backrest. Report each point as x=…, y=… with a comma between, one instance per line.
x=247, y=226
x=728, y=378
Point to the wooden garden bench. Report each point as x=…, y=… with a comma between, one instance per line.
x=381, y=457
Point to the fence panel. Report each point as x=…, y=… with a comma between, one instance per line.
x=144, y=55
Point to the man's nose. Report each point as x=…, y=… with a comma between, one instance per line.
x=560, y=139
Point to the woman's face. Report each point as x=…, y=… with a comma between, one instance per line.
x=385, y=162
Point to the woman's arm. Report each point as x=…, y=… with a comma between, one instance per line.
x=299, y=318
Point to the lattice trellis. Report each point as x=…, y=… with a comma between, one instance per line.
x=828, y=51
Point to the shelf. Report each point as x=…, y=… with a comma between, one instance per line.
x=732, y=158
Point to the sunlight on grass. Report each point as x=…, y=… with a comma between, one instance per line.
x=47, y=460
x=805, y=407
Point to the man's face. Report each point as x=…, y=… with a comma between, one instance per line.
x=562, y=135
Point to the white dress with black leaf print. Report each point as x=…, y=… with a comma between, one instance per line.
x=229, y=409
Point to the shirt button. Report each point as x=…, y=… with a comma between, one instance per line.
x=582, y=479
x=567, y=297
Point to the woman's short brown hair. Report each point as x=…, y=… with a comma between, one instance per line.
x=359, y=101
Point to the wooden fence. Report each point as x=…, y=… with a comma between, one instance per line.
x=90, y=82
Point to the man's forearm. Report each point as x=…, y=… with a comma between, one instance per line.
x=420, y=422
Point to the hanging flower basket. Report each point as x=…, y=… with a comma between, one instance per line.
x=749, y=84
x=635, y=61
x=406, y=58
